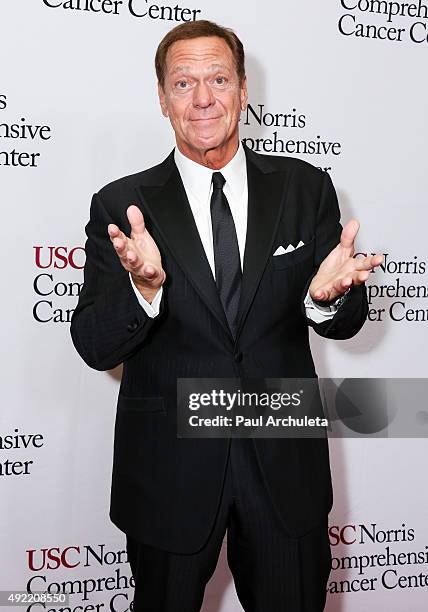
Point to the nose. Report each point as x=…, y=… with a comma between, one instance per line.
x=203, y=96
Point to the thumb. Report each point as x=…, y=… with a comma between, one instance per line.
x=349, y=233
x=136, y=220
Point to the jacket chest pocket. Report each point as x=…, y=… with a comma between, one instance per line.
x=299, y=255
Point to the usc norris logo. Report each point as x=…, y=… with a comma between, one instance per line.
x=59, y=284
x=53, y=558
x=346, y=534
x=59, y=257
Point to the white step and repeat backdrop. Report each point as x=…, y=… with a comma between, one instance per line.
x=341, y=84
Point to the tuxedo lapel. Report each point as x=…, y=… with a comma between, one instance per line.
x=266, y=192
x=164, y=198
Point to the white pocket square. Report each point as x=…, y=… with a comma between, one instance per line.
x=281, y=251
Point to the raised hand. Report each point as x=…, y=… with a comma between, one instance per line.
x=139, y=254
x=339, y=270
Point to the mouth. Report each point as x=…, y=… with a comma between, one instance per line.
x=205, y=119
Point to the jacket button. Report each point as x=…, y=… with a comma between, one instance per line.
x=238, y=356
x=133, y=326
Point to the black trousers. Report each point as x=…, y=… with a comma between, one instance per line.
x=272, y=571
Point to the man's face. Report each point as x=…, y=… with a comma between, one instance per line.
x=202, y=96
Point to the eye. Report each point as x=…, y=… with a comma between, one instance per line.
x=181, y=84
x=220, y=80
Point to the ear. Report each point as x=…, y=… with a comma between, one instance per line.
x=244, y=94
x=162, y=100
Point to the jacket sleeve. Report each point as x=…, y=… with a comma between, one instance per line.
x=350, y=316
x=108, y=324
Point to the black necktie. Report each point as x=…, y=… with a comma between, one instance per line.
x=228, y=273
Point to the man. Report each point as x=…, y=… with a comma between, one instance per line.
x=193, y=280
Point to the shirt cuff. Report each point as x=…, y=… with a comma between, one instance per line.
x=318, y=313
x=152, y=310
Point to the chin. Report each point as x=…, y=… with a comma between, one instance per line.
x=211, y=141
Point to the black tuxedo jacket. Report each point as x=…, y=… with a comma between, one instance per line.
x=166, y=490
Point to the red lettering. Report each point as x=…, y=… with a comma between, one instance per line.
x=64, y=561
x=71, y=260
x=38, y=250
x=334, y=535
x=55, y=556
x=31, y=564
x=62, y=258
x=337, y=535
x=342, y=534
x=59, y=257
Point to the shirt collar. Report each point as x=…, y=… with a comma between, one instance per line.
x=197, y=178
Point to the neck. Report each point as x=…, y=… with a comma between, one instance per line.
x=215, y=158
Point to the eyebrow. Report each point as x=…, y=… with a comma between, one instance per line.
x=187, y=69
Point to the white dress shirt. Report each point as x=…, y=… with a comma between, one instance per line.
x=197, y=181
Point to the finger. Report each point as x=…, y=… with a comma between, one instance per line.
x=120, y=245
x=145, y=271
x=116, y=234
x=136, y=220
x=367, y=263
x=343, y=284
x=363, y=263
x=340, y=286
x=133, y=259
x=371, y=262
x=349, y=232
x=113, y=230
x=361, y=277
x=129, y=259
x=150, y=272
x=377, y=260
x=320, y=295
x=329, y=292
